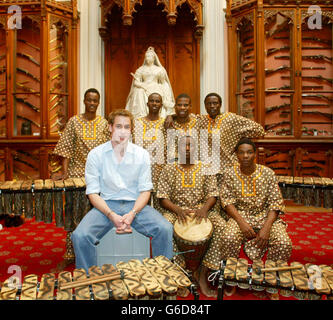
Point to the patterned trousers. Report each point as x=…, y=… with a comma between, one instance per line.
x=279, y=244
x=212, y=257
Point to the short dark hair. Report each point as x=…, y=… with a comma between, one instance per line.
x=183, y=95
x=93, y=90
x=245, y=140
x=213, y=94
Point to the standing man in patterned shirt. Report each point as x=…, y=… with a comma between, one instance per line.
x=82, y=133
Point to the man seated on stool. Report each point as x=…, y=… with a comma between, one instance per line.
x=186, y=188
x=118, y=185
x=251, y=196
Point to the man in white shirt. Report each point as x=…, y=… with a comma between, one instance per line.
x=118, y=180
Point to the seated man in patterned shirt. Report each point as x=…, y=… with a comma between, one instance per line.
x=251, y=196
x=185, y=189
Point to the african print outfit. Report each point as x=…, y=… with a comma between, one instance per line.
x=150, y=136
x=223, y=133
x=254, y=196
x=172, y=135
x=79, y=137
x=190, y=189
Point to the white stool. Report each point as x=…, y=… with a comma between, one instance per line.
x=115, y=247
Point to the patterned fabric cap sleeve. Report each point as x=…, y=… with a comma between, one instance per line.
x=106, y=132
x=248, y=128
x=164, y=185
x=210, y=186
x=227, y=195
x=274, y=196
x=66, y=144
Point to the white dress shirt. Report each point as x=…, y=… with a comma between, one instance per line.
x=115, y=180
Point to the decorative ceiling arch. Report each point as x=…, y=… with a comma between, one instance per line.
x=170, y=7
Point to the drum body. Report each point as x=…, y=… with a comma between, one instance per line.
x=193, y=236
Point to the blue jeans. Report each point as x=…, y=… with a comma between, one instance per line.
x=95, y=225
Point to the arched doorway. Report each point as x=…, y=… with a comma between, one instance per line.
x=173, y=28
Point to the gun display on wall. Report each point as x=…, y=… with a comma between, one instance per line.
x=324, y=114
x=311, y=57
x=273, y=50
x=309, y=95
x=329, y=42
x=274, y=125
x=276, y=161
x=270, y=71
x=273, y=108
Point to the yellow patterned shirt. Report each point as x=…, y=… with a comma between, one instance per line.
x=79, y=137
x=150, y=136
x=254, y=195
x=187, y=188
x=223, y=133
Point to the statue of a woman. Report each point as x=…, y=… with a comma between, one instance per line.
x=150, y=78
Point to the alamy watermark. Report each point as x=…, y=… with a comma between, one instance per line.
x=15, y=20
x=315, y=20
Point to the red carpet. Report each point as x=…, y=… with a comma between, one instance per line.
x=38, y=247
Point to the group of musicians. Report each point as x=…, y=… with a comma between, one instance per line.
x=186, y=166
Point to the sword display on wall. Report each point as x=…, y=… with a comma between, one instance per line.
x=27, y=73
x=29, y=44
x=58, y=57
x=26, y=119
x=30, y=155
x=31, y=106
x=59, y=102
x=16, y=158
x=27, y=89
x=28, y=57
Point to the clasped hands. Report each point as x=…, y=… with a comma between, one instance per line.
x=122, y=223
x=261, y=237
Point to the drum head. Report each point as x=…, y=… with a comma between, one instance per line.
x=193, y=231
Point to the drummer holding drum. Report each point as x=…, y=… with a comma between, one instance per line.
x=187, y=195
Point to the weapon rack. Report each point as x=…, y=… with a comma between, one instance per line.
x=282, y=51
x=38, y=84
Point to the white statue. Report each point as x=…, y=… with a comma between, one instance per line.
x=150, y=78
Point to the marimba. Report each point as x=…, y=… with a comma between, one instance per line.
x=40, y=198
x=307, y=281
x=308, y=191
x=156, y=278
